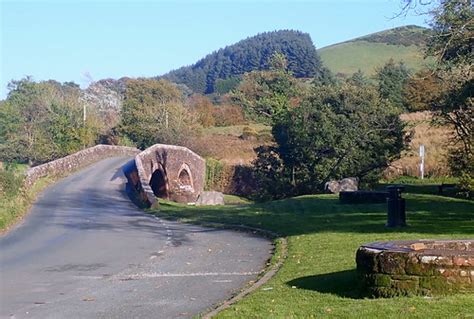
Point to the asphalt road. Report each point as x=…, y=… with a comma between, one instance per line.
x=84, y=251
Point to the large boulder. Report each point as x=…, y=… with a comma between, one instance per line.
x=210, y=199
x=349, y=184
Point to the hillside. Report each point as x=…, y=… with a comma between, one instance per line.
x=220, y=69
x=371, y=51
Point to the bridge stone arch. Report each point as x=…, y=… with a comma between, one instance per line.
x=159, y=181
x=171, y=172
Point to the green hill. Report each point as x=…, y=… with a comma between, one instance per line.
x=369, y=52
x=223, y=68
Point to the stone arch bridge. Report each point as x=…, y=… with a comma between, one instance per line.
x=167, y=171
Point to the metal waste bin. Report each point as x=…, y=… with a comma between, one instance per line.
x=396, y=216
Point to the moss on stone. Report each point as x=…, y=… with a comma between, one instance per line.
x=382, y=280
x=392, y=263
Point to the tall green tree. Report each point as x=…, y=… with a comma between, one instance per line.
x=338, y=131
x=251, y=54
x=153, y=112
x=265, y=94
x=392, y=78
x=42, y=121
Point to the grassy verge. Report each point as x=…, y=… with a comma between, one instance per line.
x=318, y=279
x=14, y=208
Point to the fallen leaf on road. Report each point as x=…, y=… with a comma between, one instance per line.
x=88, y=299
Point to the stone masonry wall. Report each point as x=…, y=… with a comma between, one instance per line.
x=172, y=159
x=422, y=267
x=74, y=161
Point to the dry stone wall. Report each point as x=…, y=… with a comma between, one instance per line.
x=74, y=161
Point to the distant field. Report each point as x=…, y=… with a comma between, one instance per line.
x=349, y=57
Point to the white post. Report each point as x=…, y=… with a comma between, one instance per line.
x=422, y=164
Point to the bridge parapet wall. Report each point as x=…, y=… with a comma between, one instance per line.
x=77, y=160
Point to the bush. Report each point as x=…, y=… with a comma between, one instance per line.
x=249, y=134
x=10, y=181
x=228, y=115
x=229, y=179
x=338, y=131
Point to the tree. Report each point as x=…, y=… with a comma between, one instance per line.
x=153, y=112
x=422, y=90
x=359, y=78
x=339, y=131
x=211, y=73
x=452, y=44
x=265, y=94
x=43, y=121
x=202, y=109
x=453, y=24
x=392, y=78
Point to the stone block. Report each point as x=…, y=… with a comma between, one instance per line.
x=210, y=199
x=349, y=184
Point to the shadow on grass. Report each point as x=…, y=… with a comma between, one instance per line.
x=311, y=214
x=342, y=283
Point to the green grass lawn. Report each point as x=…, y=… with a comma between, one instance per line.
x=318, y=278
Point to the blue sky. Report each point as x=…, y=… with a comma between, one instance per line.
x=82, y=40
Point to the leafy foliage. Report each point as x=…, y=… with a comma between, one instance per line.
x=43, y=121
x=338, y=131
x=265, y=94
x=153, y=112
x=392, y=78
x=249, y=55
x=421, y=90
x=202, y=109
x=228, y=115
x=11, y=181
x=453, y=25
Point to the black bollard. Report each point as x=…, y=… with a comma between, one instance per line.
x=396, y=216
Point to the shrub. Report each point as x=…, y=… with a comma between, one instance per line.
x=249, y=134
x=10, y=181
x=227, y=115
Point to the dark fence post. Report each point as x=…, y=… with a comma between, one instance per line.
x=396, y=215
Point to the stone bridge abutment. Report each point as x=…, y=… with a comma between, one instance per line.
x=170, y=172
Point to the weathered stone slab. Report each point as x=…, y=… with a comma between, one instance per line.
x=349, y=184
x=210, y=199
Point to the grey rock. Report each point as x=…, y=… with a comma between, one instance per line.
x=349, y=184
x=210, y=198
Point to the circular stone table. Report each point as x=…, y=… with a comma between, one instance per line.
x=421, y=267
